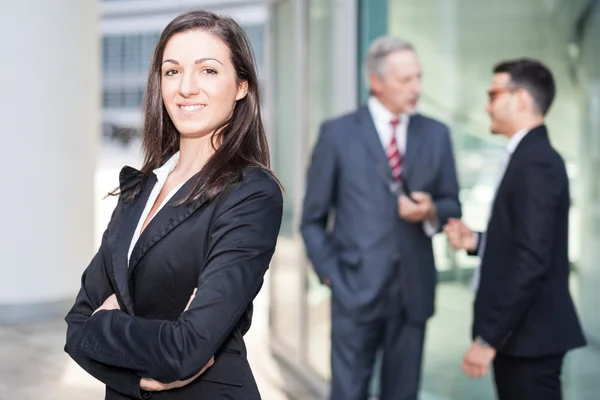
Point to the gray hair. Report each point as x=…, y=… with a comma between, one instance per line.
x=375, y=60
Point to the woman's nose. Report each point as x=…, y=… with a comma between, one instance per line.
x=189, y=85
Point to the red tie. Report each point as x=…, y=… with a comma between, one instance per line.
x=394, y=156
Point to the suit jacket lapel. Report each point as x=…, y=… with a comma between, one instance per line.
x=124, y=233
x=414, y=144
x=169, y=217
x=369, y=134
x=535, y=135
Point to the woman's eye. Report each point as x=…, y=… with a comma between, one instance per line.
x=210, y=71
x=170, y=72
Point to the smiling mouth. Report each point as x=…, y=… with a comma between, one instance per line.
x=191, y=107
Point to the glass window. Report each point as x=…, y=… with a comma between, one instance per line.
x=589, y=165
x=320, y=50
x=132, y=54
x=458, y=43
x=147, y=45
x=112, y=98
x=372, y=23
x=111, y=53
x=288, y=261
x=132, y=97
x=125, y=62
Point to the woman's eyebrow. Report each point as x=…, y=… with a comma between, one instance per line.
x=201, y=60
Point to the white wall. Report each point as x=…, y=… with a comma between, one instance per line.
x=50, y=122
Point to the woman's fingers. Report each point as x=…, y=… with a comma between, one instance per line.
x=191, y=299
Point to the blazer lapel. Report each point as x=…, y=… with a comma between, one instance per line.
x=414, y=145
x=369, y=134
x=131, y=216
x=169, y=217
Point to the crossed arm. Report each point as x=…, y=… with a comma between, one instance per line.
x=118, y=348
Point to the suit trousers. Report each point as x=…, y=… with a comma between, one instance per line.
x=528, y=378
x=354, y=345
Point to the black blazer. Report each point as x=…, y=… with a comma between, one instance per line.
x=523, y=306
x=221, y=247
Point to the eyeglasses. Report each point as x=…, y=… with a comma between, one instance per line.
x=492, y=94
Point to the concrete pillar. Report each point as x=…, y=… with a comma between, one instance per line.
x=50, y=127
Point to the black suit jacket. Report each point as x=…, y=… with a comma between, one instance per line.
x=221, y=247
x=377, y=263
x=523, y=306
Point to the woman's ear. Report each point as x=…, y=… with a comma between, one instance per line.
x=242, y=90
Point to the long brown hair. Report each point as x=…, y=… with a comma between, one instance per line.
x=242, y=139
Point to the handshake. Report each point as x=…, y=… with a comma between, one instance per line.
x=460, y=236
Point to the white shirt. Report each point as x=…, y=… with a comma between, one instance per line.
x=162, y=174
x=515, y=140
x=382, y=119
x=510, y=149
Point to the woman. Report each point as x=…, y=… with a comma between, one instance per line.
x=202, y=217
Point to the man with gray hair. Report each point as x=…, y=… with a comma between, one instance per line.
x=388, y=174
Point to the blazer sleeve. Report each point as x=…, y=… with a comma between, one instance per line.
x=242, y=242
x=534, y=200
x=95, y=288
x=475, y=251
x=445, y=196
x=318, y=202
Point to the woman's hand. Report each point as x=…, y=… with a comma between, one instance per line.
x=190, y=300
x=110, y=303
x=152, y=385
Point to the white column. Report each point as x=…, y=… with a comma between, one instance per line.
x=346, y=65
x=49, y=131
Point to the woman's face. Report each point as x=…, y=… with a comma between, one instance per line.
x=199, y=84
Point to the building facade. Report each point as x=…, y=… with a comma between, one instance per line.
x=315, y=56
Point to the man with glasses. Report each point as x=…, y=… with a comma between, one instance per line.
x=524, y=317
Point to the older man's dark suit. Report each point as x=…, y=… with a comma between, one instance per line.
x=381, y=268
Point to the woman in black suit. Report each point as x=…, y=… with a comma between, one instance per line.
x=200, y=219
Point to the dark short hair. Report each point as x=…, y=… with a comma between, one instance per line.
x=532, y=76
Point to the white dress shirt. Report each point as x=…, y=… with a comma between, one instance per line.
x=510, y=149
x=162, y=174
x=382, y=119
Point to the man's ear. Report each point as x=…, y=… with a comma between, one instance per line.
x=375, y=83
x=529, y=102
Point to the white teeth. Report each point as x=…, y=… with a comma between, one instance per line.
x=192, y=107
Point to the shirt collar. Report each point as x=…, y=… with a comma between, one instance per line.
x=163, y=171
x=380, y=113
x=515, y=140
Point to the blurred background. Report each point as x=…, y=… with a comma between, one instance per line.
x=72, y=78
